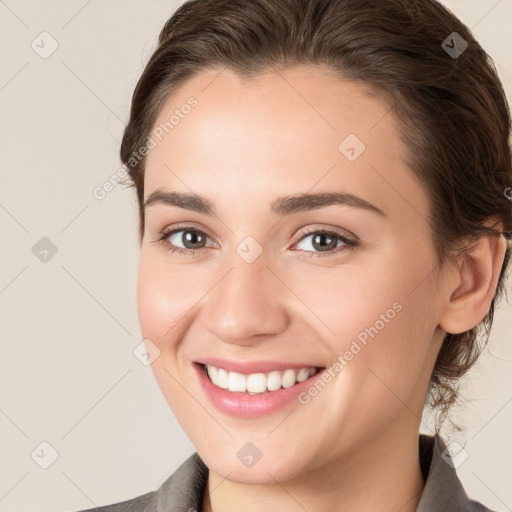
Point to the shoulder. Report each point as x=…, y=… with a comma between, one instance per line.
x=443, y=489
x=143, y=503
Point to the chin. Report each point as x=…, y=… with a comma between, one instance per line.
x=264, y=472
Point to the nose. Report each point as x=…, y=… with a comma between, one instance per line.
x=249, y=302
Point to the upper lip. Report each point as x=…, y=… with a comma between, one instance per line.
x=248, y=367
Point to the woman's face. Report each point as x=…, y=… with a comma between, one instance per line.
x=265, y=284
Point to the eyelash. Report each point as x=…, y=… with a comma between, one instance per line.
x=349, y=244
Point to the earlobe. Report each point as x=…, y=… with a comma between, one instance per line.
x=477, y=277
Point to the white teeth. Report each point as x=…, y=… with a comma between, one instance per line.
x=222, y=378
x=273, y=381
x=256, y=383
x=288, y=378
x=237, y=382
x=302, y=374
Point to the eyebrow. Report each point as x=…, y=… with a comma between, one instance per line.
x=281, y=206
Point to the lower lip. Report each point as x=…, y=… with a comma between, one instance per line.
x=251, y=406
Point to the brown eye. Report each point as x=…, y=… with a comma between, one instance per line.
x=323, y=241
x=192, y=239
x=184, y=241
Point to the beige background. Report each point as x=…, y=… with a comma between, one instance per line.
x=69, y=326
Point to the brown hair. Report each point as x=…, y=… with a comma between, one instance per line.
x=451, y=108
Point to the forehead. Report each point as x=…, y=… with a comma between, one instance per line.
x=297, y=128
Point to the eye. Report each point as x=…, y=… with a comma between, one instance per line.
x=324, y=241
x=192, y=240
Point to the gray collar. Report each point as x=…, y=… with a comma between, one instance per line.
x=443, y=490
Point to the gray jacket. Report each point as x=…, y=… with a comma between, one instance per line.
x=183, y=490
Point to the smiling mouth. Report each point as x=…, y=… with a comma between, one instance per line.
x=258, y=383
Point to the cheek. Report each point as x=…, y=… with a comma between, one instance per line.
x=381, y=322
x=348, y=302
x=166, y=295
x=395, y=337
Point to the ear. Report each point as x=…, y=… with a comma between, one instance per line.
x=474, y=284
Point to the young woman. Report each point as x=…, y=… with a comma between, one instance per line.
x=324, y=230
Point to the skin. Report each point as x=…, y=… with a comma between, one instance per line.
x=246, y=143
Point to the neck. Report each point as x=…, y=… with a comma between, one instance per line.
x=382, y=473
